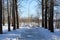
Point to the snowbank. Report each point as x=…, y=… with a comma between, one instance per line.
x=29, y=33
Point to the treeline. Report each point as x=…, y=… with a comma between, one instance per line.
x=9, y=8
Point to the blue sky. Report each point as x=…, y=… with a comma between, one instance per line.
x=29, y=6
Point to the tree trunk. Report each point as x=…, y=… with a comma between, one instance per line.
x=8, y=15
x=51, y=27
x=42, y=13
x=46, y=13
x=3, y=19
x=17, y=17
x=13, y=15
x=0, y=16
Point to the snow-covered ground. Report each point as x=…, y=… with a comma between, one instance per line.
x=29, y=33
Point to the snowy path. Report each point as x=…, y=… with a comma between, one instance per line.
x=24, y=34
x=30, y=33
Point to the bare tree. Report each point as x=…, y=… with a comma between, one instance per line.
x=3, y=19
x=0, y=16
x=46, y=7
x=51, y=28
x=8, y=15
x=17, y=17
x=13, y=14
x=43, y=13
x=38, y=16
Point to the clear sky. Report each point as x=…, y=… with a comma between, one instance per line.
x=28, y=6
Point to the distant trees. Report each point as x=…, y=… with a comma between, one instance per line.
x=38, y=11
x=37, y=17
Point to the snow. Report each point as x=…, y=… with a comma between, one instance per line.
x=29, y=33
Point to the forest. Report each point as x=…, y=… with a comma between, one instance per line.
x=17, y=15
